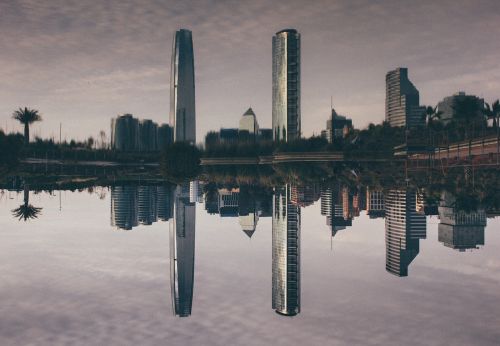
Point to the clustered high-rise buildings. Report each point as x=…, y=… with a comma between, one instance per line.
x=402, y=103
x=131, y=134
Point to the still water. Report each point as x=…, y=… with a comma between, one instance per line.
x=288, y=265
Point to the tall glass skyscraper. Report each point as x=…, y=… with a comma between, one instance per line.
x=286, y=253
x=182, y=101
x=286, y=85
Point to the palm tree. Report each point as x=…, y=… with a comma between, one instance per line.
x=26, y=211
x=26, y=117
x=432, y=115
x=492, y=112
x=466, y=114
x=432, y=118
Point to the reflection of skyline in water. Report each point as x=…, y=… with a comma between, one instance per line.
x=335, y=206
x=241, y=203
x=404, y=228
x=285, y=253
x=182, y=248
x=460, y=230
x=132, y=205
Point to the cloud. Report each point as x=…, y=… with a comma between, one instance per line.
x=54, y=48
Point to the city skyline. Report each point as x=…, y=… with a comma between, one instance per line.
x=85, y=85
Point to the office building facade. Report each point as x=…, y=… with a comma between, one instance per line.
x=404, y=228
x=286, y=85
x=402, y=100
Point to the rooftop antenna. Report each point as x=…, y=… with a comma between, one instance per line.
x=331, y=102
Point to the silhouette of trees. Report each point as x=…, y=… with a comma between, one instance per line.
x=26, y=211
x=26, y=117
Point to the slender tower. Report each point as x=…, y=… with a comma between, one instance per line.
x=286, y=253
x=286, y=85
x=182, y=101
x=182, y=251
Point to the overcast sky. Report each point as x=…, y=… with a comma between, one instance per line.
x=82, y=62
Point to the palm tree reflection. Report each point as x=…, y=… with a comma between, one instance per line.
x=26, y=211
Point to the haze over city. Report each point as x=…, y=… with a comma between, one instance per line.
x=85, y=62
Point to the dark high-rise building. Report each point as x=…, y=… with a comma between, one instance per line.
x=125, y=133
x=402, y=100
x=458, y=229
x=165, y=136
x=131, y=134
x=182, y=242
x=286, y=253
x=286, y=85
x=404, y=228
x=182, y=88
x=148, y=135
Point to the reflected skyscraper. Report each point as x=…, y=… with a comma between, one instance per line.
x=147, y=200
x=286, y=85
x=458, y=229
x=335, y=206
x=132, y=205
x=375, y=203
x=404, y=228
x=182, y=88
x=124, y=201
x=164, y=204
x=286, y=253
x=182, y=248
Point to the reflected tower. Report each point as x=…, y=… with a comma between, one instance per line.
x=182, y=242
x=182, y=88
x=286, y=253
x=147, y=205
x=124, y=207
x=404, y=228
x=459, y=229
x=286, y=85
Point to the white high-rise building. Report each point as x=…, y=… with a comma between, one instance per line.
x=286, y=85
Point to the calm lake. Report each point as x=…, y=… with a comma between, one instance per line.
x=201, y=264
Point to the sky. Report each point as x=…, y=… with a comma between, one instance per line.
x=83, y=62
